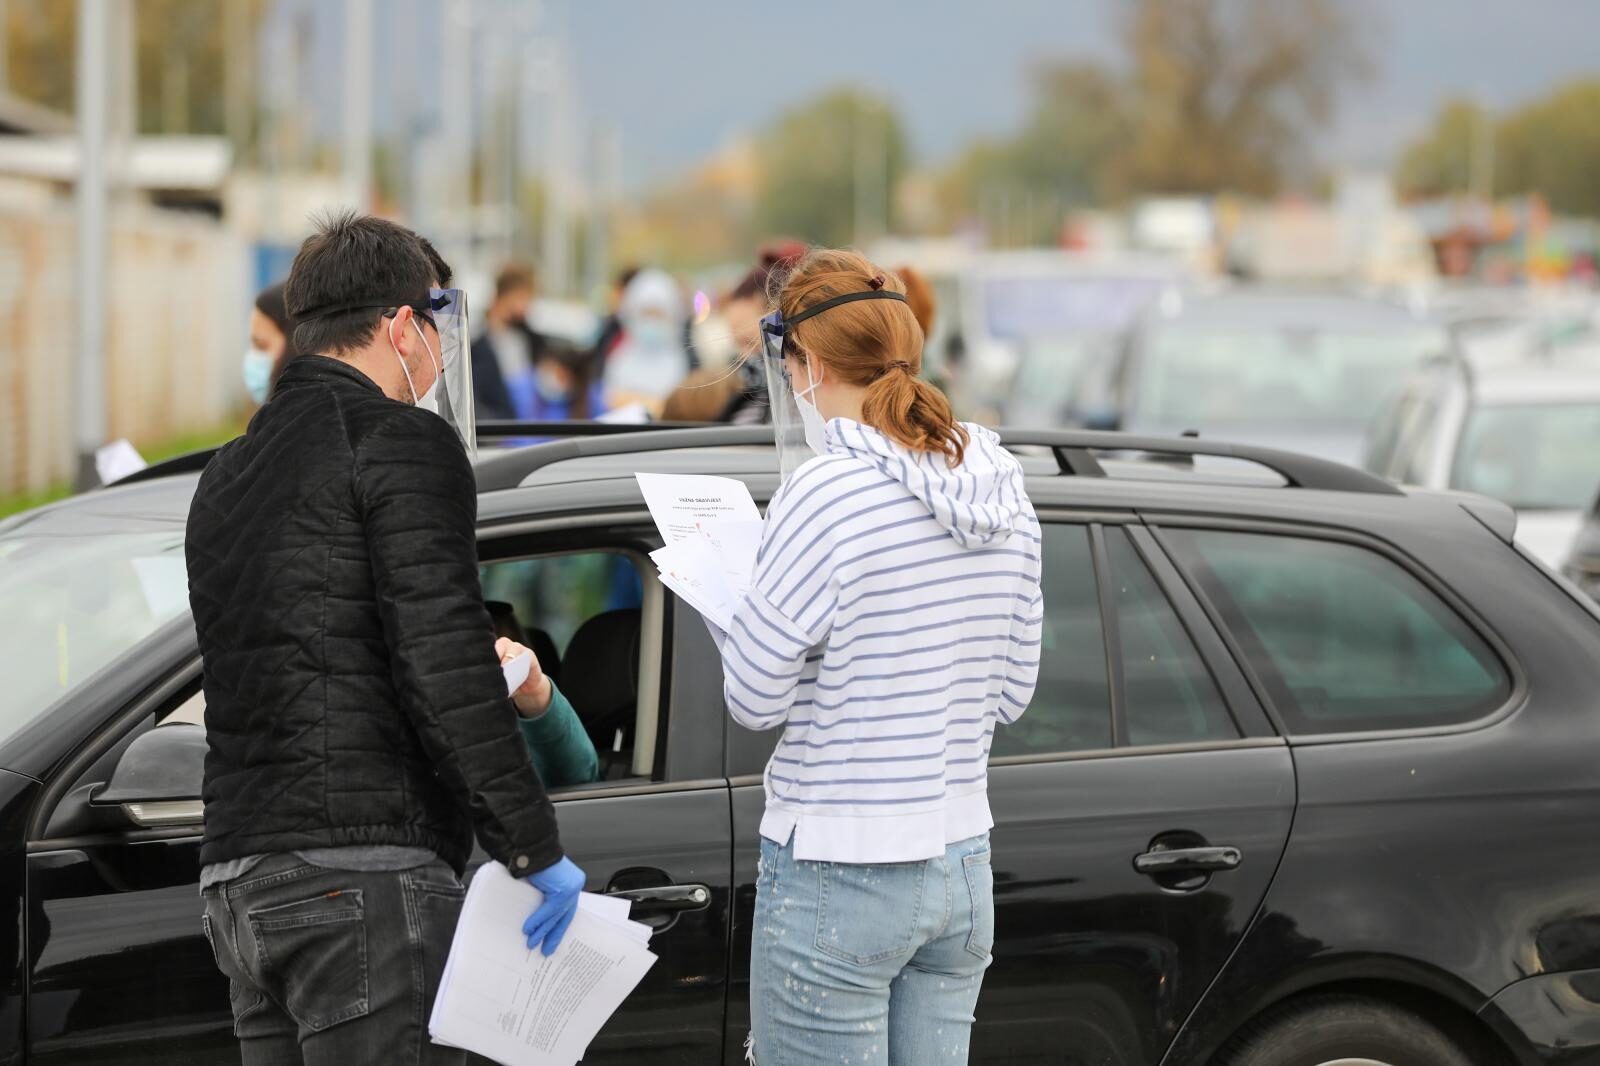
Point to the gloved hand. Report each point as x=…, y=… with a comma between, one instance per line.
x=560, y=884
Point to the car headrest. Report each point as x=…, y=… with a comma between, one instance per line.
x=600, y=672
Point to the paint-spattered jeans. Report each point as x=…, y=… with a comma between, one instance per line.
x=869, y=965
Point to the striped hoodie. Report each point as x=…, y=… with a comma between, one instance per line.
x=894, y=619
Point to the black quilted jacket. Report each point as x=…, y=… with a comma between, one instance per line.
x=352, y=691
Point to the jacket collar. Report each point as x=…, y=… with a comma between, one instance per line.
x=307, y=370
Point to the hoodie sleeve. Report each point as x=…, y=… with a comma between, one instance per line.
x=787, y=612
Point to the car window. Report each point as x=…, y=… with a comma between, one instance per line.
x=1532, y=456
x=581, y=614
x=75, y=599
x=1346, y=639
x=1071, y=708
x=1169, y=697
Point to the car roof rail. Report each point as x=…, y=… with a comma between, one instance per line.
x=1074, y=451
x=499, y=429
x=507, y=470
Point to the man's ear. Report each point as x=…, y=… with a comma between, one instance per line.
x=401, y=335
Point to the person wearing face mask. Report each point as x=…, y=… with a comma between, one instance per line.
x=650, y=359
x=893, y=623
x=359, y=732
x=270, y=349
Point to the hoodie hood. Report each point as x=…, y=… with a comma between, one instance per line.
x=979, y=503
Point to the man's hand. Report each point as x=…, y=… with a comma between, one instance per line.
x=533, y=697
x=560, y=884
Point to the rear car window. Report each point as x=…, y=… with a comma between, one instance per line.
x=1345, y=639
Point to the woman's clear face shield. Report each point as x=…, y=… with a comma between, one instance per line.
x=788, y=430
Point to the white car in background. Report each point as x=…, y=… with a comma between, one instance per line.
x=1526, y=432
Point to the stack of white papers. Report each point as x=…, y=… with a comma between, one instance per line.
x=712, y=531
x=501, y=1000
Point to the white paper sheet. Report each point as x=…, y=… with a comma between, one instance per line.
x=682, y=503
x=117, y=460
x=497, y=998
x=517, y=671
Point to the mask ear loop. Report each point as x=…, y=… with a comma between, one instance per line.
x=403, y=368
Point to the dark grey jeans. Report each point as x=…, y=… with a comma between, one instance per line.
x=334, y=967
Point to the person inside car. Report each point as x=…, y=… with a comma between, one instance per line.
x=557, y=743
x=358, y=730
x=893, y=622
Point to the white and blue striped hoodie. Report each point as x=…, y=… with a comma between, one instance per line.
x=894, y=619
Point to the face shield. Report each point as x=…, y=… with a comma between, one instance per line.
x=788, y=430
x=788, y=424
x=451, y=397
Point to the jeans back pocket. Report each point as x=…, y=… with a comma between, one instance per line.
x=868, y=914
x=979, y=870
x=315, y=951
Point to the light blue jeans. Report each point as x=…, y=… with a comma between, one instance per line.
x=869, y=965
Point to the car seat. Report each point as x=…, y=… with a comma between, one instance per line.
x=601, y=670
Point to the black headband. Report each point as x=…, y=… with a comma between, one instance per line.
x=849, y=297
x=427, y=303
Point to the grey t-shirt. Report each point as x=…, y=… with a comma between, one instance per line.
x=367, y=858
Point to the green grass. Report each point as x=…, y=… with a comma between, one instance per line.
x=153, y=453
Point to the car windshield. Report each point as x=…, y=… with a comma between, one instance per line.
x=1051, y=375
x=1532, y=456
x=74, y=602
x=1211, y=375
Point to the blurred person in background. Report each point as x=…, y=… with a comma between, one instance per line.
x=705, y=396
x=611, y=327
x=504, y=355
x=742, y=311
x=271, y=344
x=560, y=389
x=919, y=296
x=650, y=359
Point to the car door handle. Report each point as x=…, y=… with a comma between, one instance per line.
x=1159, y=860
x=666, y=899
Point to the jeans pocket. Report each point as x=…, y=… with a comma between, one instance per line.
x=979, y=870
x=316, y=950
x=868, y=914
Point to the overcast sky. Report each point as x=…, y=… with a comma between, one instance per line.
x=678, y=78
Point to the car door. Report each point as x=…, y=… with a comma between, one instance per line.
x=122, y=973
x=1141, y=805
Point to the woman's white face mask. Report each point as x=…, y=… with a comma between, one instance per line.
x=816, y=429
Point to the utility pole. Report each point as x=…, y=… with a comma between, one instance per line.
x=455, y=121
x=358, y=102
x=91, y=195
x=606, y=154
x=237, y=75
x=556, y=255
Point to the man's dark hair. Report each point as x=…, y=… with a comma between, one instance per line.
x=351, y=269
x=513, y=277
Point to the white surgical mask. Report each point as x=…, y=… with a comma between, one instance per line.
x=810, y=418
x=428, y=401
x=257, y=371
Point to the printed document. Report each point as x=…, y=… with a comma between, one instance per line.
x=682, y=503
x=713, y=532
x=501, y=1000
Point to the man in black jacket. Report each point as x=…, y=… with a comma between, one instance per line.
x=356, y=713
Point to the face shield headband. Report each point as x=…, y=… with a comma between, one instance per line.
x=788, y=427
x=446, y=311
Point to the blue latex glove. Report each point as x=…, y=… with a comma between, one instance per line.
x=560, y=884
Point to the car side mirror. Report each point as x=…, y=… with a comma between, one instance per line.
x=157, y=780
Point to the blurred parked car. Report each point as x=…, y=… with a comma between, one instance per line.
x=1526, y=432
x=1289, y=368
x=1050, y=307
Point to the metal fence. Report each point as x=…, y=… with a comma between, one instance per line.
x=176, y=327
